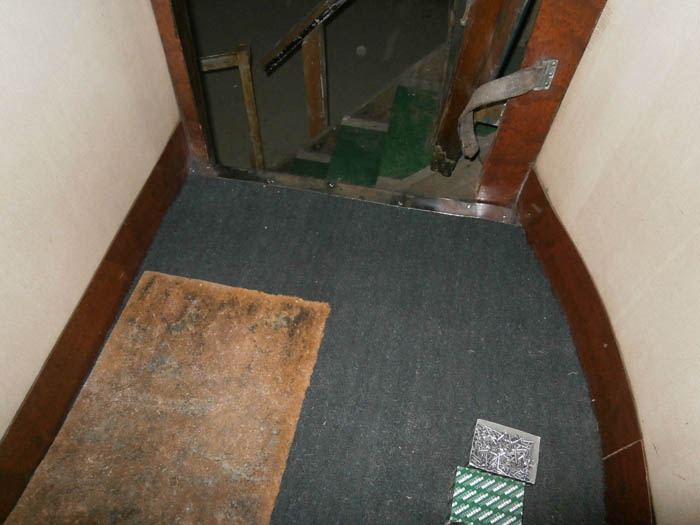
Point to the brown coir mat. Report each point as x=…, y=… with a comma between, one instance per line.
x=189, y=413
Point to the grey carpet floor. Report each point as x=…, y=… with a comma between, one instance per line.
x=436, y=321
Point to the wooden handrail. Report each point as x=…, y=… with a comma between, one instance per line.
x=296, y=35
x=309, y=34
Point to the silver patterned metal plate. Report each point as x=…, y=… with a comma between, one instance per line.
x=505, y=451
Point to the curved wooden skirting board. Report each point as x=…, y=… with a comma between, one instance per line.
x=42, y=413
x=628, y=499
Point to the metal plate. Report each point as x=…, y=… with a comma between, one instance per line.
x=505, y=451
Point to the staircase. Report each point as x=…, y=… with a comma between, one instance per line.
x=382, y=152
x=367, y=151
x=385, y=144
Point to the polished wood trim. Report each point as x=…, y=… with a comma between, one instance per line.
x=562, y=30
x=590, y=326
x=483, y=46
x=611, y=395
x=627, y=488
x=42, y=413
x=176, y=35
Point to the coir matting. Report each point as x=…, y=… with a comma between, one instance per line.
x=188, y=414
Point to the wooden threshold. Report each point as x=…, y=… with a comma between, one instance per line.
x=628, y=499
x=42, y=413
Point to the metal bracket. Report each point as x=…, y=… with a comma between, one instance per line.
x=538, y=77
x=549, y=69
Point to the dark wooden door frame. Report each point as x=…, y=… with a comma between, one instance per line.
x=178, y=44
x=562, y=30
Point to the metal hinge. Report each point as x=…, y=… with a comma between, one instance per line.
x=548, y=68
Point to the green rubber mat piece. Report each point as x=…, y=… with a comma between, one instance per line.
x=357, y=156
x=480, y=497
x=309, y=168
x=408, y=147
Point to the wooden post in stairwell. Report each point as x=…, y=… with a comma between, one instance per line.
x=243, y=55
x=313, y=51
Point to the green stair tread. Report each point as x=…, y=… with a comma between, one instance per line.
x=309, y=168
x=408, y=147
x=482, y=130
x=357, y=156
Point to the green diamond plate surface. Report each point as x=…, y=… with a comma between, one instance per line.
x=481, y=498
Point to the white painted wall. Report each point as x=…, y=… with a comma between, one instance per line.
x=86, y=108
x=621, y=166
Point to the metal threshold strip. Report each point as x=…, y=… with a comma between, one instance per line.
x=474, y=210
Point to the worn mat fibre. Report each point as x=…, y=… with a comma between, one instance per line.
x=189, y=412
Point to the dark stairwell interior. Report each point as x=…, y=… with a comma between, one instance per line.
x=387, y=67
x=367, y=47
